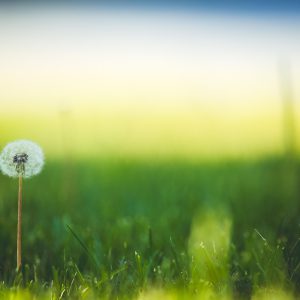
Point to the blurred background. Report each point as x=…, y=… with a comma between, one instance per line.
x=148, y=78
x=170, y=130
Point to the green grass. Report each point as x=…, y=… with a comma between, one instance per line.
x=164, y=230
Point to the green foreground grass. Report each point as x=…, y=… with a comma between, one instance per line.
x=145, y=230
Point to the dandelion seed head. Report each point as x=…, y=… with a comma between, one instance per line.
x=21, y=158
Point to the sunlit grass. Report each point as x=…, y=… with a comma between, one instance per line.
x=137, y=230
x=209, y=246
x=188, y=131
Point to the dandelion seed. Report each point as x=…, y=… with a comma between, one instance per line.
x=22, y=159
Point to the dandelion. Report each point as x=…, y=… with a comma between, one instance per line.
x=21, y=159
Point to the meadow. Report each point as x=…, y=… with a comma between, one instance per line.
x=154, y=229
x=170, y=135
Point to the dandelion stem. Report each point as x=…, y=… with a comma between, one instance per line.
x=19, y=233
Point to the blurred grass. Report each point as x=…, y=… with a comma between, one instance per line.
x=145, y=131
x=154, y=230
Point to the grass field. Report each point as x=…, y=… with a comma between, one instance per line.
x=170, y=134
x=123, y=229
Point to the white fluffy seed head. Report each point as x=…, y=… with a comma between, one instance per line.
x=21, y=158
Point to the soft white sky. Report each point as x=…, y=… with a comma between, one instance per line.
x=72, y=55
x=141, y=82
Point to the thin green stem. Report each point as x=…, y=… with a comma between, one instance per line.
x=19, y=231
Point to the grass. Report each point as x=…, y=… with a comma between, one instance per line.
x=154, y=230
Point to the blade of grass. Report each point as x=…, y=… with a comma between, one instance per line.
x=85, y=248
